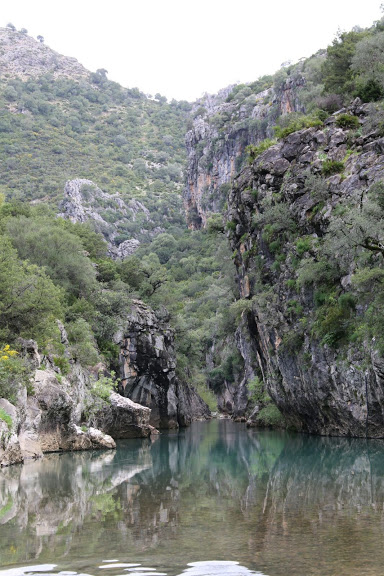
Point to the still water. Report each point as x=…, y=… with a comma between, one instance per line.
x=213, y=499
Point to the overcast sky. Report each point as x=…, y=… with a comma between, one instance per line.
x=183, y=49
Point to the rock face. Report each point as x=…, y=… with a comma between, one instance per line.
x=63, y=414
x=317, y=386
x=147, y=360
x=85, y=201
x=222, y=129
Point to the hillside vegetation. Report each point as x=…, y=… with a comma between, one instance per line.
x=68, y=123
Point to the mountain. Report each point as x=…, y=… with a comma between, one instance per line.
x=224, y=216
x=60, y=122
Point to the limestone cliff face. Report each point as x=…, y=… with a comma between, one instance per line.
x=148, y=363
x=319, y=387
x=84, y=201
x=64, y=414
x=216, y=143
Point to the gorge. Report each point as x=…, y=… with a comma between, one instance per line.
x=224, y=255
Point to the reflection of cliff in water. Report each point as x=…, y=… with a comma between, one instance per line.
x=213, y=491
x=323, y=506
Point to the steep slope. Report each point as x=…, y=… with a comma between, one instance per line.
x=305, y=223
x=60, y=122
x=223, y=126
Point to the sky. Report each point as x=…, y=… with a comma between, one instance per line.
x=183, y=49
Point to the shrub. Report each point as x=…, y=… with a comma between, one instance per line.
x=303, y=245
x=231, y=225
x=331, y=102
x=270, y=416
x=62, y=363
x=332, y=167
x=347, y=121
x=297, y=123
x=12, y=372
x=6, y=418
x=103, y=386
x=208, y=396
x=255, y=151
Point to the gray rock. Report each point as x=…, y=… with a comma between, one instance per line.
x=213, y=154
x=316, y=389
x=147, y=371
x=85, y=201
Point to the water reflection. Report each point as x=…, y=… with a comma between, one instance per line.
x=215, y=491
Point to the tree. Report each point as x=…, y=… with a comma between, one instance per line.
x=29, y=301
x=337, y=72
x=40, y=39
x=11, y=26
x=45, y=243
x=368, y=62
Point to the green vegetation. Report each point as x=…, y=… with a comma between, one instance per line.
x=330, y=167
x=293, y=122
x=5, y=417
x=347, y=121
x=103, y=386
x=255, y=151
x=55, y=129
x=269, y=414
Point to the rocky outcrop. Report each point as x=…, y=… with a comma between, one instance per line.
x=123, y=418
x=148, y=371
x=222, y=129
x=85, y=201
x=65, y=414
x=25, y=57
x=280, y=212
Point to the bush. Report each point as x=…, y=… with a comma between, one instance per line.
x=208, y=396
x=62, y=363
x=255, y=151
x=12, y=372
x=231, y=225
x=303, y=245
x=6, y=418
x=331, y=102
x=347, y=121
x=332, y=167
x=297, y=123
x=270, y=416
x=103, y=386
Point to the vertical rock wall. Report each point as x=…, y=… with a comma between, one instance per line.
x=148, y=377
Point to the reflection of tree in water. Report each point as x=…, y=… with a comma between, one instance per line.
x=213, y=489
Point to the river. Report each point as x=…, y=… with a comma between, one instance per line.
x=215, y=498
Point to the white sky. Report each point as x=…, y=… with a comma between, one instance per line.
x=183, y=49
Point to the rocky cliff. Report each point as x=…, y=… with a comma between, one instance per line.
x=305, y=225
x=148, y=376
x=62, y=413
x=223, y=127
x=84, y=201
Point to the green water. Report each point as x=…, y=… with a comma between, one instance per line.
x=275, y=503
